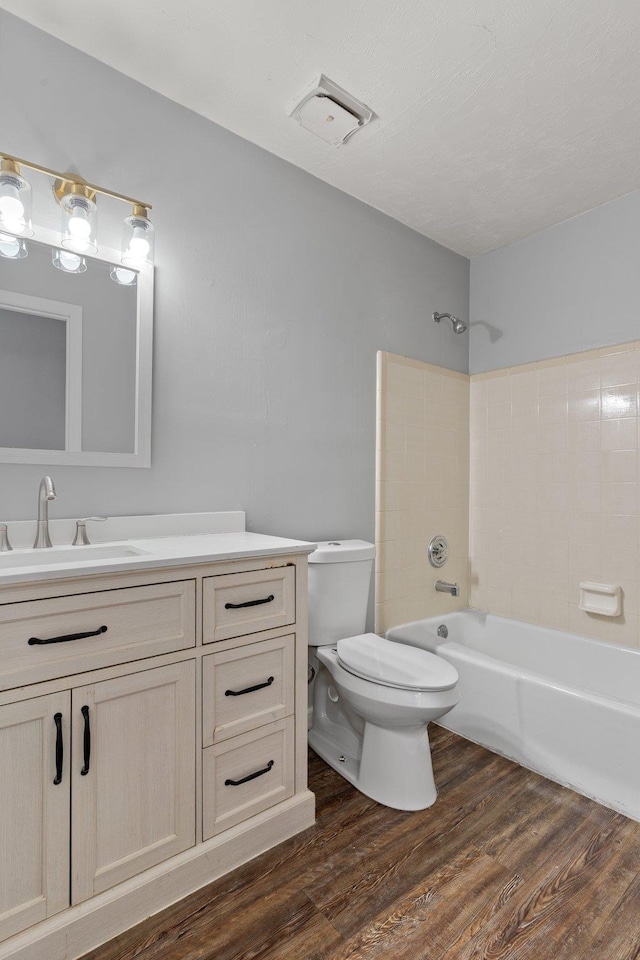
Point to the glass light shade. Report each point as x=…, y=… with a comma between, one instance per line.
x=68, y=262
x=126, y=278
x=15, y=203
x=137, y=241
x=79, y=224
x=13, y=248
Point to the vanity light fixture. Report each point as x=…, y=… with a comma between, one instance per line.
x=68, y=262
x=13, y=248
x=78, y=200
x=15, y=199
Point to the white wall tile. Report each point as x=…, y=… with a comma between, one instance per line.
x=555, y=499
x=424, y=463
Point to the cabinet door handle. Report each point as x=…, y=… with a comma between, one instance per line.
x=249, y=603
x=258, y=686
x=252, y=776
x=86, y=741
x=57, y=719
x=70, y=636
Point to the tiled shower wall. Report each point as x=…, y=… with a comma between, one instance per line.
x=554, y=489
x=422, y=487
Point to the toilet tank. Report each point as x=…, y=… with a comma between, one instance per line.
x=339, y=579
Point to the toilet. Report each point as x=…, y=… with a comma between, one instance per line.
x=372, y=697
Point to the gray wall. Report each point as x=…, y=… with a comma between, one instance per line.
x=273, y=293
x=573, y=287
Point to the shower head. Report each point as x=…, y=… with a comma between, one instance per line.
x=459, y=326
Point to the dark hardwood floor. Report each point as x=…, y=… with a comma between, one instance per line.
x=505, y=865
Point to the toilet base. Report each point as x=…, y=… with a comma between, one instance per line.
x=392, y=766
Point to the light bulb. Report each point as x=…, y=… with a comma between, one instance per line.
x=139, y=246
x=15, y=200
x=68, y=262
x=126, y=278
x=79, y=226
x=13, y=226
x=11, y=206
x=137, y=241
x=12, y=247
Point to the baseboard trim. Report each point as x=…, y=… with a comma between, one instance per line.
x=88, y=925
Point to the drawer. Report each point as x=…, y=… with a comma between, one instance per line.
x=94, y=630
x=241, y=603
x=247, y=687
x=245, y=775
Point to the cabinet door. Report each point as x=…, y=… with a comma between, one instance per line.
x=34, y=811
x=133, y=777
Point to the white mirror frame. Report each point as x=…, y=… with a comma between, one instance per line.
x=141, y=457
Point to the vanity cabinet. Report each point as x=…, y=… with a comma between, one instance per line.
x=34, y=813
x=248, y=728
x=142, y=761
x=133, y=780
x=120, y=754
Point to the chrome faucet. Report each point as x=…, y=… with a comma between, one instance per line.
x=46, y=493
x=443, y=587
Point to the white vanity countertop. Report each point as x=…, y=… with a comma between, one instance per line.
x=142, y=554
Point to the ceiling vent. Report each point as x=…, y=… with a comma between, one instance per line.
x=331, y=113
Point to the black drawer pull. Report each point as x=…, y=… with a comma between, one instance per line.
x=57, y=719
x=249, y=603
x=258, y=686
x=70, y=636
x=86, y=741
x=252, y=776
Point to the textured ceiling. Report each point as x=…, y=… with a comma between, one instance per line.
x=497, y=118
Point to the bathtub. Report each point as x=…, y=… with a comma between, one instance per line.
x=562, y=705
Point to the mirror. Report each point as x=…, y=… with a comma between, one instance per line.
x=75, y=362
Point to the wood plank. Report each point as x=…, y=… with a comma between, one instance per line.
x=253, y=923
x=540, y=918
x=435, y=913
x=505, y=866
x=619, y=936
x=388, y=864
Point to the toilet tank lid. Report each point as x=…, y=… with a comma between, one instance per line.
x=395, y=664
x=342, y=551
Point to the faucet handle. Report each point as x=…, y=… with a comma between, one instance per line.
x=5, y=546
x=81, y=539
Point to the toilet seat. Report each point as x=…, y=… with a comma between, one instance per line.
x=395, y=665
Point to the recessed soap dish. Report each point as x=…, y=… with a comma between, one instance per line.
x=602, y=598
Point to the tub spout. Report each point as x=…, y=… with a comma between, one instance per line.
x=443, y=587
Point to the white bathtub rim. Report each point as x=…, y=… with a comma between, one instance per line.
x=470, y=654
x=481, y=615
x=520, y=673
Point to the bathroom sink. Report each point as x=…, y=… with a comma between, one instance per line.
x=55, y=555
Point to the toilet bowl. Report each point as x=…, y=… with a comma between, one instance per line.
x=372, y=698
